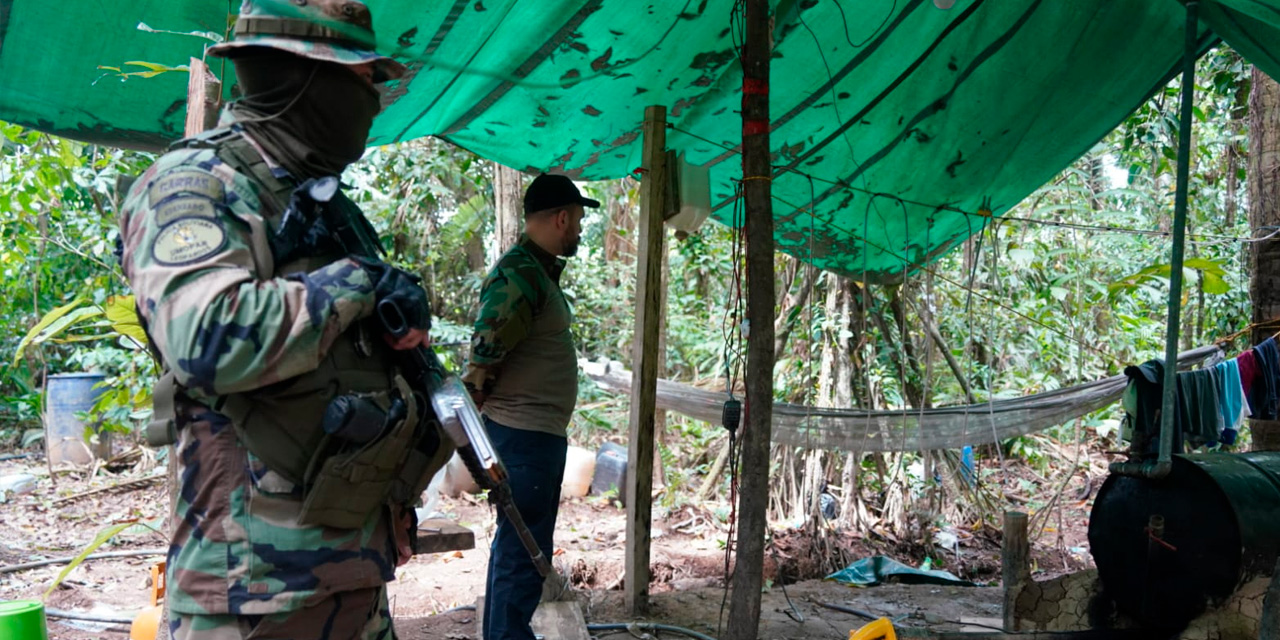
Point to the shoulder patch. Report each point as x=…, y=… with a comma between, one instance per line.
x=188, y=240
x=185, y=207
x=190, y=181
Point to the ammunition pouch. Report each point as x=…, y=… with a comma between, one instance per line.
x=162, y=430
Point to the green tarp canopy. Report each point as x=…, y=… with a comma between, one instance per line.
x=930, y=109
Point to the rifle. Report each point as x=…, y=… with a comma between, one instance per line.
x=449, y=400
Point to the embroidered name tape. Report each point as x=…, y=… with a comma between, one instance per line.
x=190, y=181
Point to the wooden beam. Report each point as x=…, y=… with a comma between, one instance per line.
x=644, y=357
x=1015, y=554
x=757, y=176
x=439, y=536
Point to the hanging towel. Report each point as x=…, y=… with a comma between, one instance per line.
x=1230, y=394
x=1247, y=362
x=1199, y=416
x=1263, y=398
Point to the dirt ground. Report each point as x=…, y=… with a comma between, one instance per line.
x=60, y=518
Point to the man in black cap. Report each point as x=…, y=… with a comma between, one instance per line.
x=523, y=375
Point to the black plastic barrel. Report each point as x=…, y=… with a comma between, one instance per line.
x=1221, y=528
x=611, y=471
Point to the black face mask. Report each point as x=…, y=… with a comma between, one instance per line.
x=311, y=116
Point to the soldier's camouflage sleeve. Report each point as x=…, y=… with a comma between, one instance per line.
x=507, y=302
x=197, y=255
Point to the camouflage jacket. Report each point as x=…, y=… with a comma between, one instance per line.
x=523, y=369
x=196, y=252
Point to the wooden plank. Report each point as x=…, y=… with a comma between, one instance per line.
x=1015, y=554
x=439, y=536
x=757, y=176
x=644, y=357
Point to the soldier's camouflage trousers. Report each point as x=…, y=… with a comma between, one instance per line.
x=350, y=615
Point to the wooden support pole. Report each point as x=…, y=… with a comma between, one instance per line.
x=1015, y=555
x=204, y=98
x=644, y=382
x=757, y=176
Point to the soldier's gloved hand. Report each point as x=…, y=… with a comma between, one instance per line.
x=404, y=291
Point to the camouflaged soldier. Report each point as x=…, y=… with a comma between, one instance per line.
x=523, y=374
x=299, y=446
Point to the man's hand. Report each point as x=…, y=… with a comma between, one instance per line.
x=415, y=338
x=404, y=291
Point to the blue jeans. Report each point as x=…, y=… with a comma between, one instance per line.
x=535, y=465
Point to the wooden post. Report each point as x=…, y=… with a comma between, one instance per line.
x=644, y=382
x=1015, y=554
x=508, y=193
x=204, y=98
x=757, y=176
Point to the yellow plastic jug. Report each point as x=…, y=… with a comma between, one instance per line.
x=147, y=625
x=880, y=629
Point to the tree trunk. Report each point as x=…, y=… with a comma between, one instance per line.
x=781, y=327
x=508, y=194
x=830, y=365
x=912, y=380
x=620, y=225
x=1264, y=217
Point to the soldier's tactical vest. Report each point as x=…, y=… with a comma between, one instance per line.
x=281, y=424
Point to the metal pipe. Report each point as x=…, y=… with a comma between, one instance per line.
x=1169, y=400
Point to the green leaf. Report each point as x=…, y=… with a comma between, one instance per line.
x=1214, y=284
x=101, y=539
x=49, y=319
x=123, y=314
x=1058, y=293
x=1022, y=256
x=1204, y=264
x=32, y=436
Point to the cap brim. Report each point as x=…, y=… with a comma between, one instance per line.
x=384, y=68
x=588, y=202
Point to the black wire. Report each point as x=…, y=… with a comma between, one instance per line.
x=845, y=21
x=835, y=98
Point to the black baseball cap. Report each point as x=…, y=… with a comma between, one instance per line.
x=549, y=191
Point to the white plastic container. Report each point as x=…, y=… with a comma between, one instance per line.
x=579, y=467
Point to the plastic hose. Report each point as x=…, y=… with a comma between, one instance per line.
x=93, y=556
x=89, y=617
x=648, y=626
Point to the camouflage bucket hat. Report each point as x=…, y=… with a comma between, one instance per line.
x=338, y=31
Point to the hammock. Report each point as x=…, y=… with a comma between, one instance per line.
x=903, y=430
